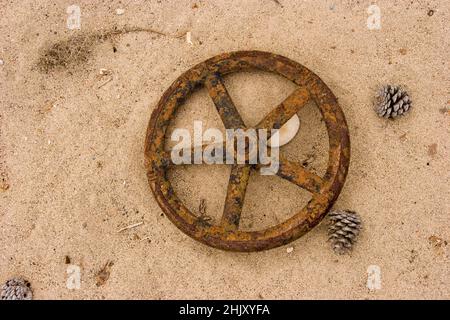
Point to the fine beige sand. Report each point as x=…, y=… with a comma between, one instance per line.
x=72, y=162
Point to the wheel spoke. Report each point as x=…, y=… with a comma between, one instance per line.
x=166, y=156
x=224, y=104
x=297, y=174
x=235, y=196
x=285, y=110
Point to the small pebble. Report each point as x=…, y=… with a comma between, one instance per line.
x=104, y=71
x=289, y=249
x=120, y=11
x=1, y=62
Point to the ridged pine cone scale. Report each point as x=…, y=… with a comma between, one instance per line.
x=343, y=230
x=392, y=101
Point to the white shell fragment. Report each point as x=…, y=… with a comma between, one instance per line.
x=189, y=38
x=286, y=133
x=120, y=11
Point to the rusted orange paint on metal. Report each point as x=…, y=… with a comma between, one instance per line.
x=235, y=196
x=324, y=190
x=283, y=112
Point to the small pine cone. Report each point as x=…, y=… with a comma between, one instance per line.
x=343, y=230
x=16, y=289
x=392, y=101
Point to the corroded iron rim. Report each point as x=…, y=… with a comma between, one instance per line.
x=325, y=190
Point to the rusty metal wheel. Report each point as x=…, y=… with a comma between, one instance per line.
x=324, y=190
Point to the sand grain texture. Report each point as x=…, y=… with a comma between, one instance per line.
x=71, y=149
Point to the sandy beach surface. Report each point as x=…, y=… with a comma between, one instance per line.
x=72, y=130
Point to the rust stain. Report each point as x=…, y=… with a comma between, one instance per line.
x=103, y=275
x=439, y=244
x=437, y=241
x=432, y=149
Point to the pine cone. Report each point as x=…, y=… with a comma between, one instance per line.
x=392, y=101
x=343, y=230
x=16, y=289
